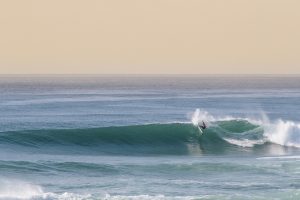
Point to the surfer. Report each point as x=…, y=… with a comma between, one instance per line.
x=203, y=126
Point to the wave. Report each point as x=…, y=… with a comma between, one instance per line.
x=173, y=138
x=21, y=190
x=101, y=169
x=16, y=189
x=223, y=135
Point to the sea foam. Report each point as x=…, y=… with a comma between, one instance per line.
x=282, y=132
x=16, y=189
x=285, y=133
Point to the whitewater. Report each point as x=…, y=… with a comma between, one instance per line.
x=106, y=137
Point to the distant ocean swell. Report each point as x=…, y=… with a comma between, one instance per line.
x=222, y=136
x=100, y=169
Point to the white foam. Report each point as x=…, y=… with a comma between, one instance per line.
x=200, y=115
x=16, y=189
x=244, y=142
x=65, y=196
x=286, y=133
x=68, y=196
x=150, y=197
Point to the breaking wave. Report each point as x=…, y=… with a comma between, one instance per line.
x=16, y=189
x=223, y=135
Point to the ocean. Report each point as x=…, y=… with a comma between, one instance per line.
x=136, y=137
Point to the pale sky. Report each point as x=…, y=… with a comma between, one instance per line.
x=149, y=36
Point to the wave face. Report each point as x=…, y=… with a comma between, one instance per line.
x=221, y=136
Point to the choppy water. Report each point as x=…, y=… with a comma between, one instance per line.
x=136, y=137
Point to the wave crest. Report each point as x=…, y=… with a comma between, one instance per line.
x=223, y=135
x=286, y=133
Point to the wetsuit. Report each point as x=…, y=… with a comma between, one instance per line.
x=203, y=126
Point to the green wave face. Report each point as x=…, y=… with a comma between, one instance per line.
x=222, y=137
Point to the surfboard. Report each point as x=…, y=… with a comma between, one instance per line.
x=200, y=130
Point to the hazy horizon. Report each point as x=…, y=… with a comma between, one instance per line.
x=158, y=75
x=150, y=37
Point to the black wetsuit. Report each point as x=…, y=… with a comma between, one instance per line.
x=203, y=126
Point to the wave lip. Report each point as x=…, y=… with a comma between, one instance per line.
x=285, y=133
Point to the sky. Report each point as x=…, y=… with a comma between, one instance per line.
x=149, y=37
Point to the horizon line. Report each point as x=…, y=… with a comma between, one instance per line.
x=145, y=75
